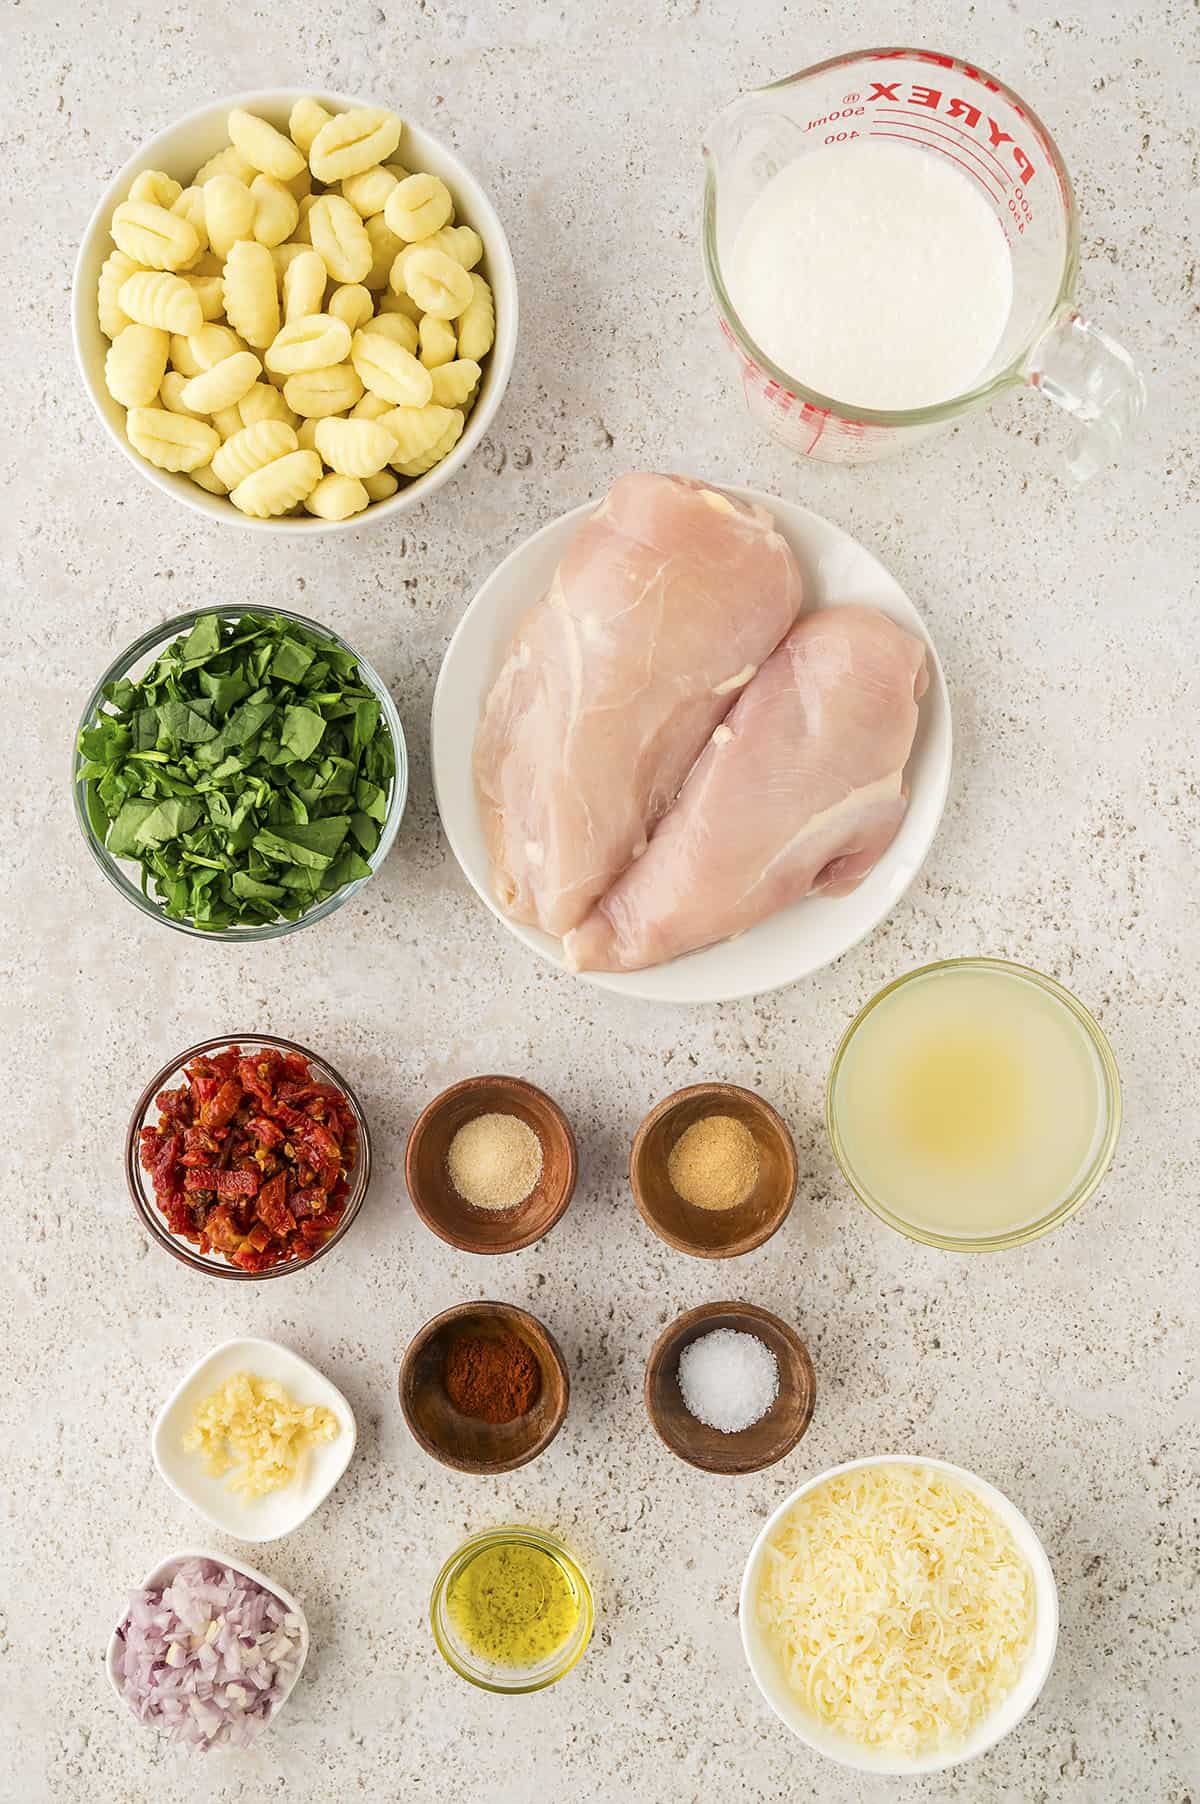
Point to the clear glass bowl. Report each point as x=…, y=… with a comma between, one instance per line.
x=142, y=1191
x=133, y=662
x=1087, y=1183
x=468, y=1664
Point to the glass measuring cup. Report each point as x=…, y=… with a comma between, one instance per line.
x=944, y=108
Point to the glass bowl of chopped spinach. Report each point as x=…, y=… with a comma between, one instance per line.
x=240, y=771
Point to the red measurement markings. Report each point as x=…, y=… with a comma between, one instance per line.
x=964, y=139
x=907, y=138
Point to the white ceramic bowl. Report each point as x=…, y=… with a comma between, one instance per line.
x=280, y=1512
x=180, y=150
x=770, y=1680
x=165, y=1571
x=794, y=942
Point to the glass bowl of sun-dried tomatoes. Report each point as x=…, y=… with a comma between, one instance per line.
x=247, y=1157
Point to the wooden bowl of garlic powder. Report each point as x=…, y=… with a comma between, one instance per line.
x=491, y=1164
x=713, y=1170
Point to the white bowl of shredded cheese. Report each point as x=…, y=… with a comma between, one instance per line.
x=899, y=1614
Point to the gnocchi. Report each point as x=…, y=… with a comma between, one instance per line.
x=248, y=450
x=304, y=282
x=355, y=447
x=300, y=328
x=276, y=487
x=309, y=343
x=251, y=296
x=315, y=394
x=418, y=206
x=353, y=141
x=336, y=498
x=437, y=283
x=153, y=237
x=228, y=213
x=276, y=210
x=154, y=297
x=172, y=441
x=115, y=271
x=136, y=364
x=223, y=385
x=390, y=371
x=340, y=238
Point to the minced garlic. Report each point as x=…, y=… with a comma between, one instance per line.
x=253, y=1424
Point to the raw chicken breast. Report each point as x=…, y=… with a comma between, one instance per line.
x=665, y=603
x=798, y=793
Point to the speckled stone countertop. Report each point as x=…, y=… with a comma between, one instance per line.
x=1067, y=623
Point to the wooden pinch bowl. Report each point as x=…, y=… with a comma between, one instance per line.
x=461, y=1441
x=713, y=1233
x=427, y=1174
x=766, y=1440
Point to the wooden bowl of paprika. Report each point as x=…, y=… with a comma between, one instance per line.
x=484, y=1387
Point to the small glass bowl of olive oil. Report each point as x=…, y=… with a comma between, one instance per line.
x=511, y=1611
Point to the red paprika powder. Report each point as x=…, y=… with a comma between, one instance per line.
x=494, y=1378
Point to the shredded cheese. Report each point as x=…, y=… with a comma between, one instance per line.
x=252, y=1423
x=898, y=1605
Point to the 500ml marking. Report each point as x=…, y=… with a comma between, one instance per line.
x=846, y=112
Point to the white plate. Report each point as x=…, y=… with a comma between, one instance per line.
x=798, y=940
x=769, y=1677
x=260, y=1518
x=165, y=1571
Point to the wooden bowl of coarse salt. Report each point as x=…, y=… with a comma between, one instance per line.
x=729, y=1387
x=713, y=1170
x=491, y=1164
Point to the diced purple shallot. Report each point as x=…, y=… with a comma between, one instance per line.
x=207, y=1657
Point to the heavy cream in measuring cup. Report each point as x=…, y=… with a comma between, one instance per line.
x=874, y=273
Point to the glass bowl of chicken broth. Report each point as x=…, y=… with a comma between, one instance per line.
x=974, y=1104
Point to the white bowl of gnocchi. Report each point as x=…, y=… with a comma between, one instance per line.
x=295, y=312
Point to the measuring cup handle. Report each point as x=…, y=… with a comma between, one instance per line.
x=1093, y=378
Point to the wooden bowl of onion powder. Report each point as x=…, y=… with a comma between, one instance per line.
x=713, y=1170
x=491, y=1164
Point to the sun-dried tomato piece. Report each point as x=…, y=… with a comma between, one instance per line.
x=266, y=1132
x=273, y=1192
x=297, y=1094
x=179, y=1215
x=291, y=1118
x=222, y=1230
x=320, y=1227
x=237, y=1183
x=277, y=1216
x=172, y=1103
x=161, y=1163
x=225, y=1183
x=222, y=1106
x=319, y=1145
x=201, y=1177
x=258, y=1074
x=251, y=1260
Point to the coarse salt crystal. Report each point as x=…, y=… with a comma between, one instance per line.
x=728, y=1380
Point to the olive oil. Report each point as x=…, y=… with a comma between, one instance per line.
x=513, y=1605
x=973, y=1100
